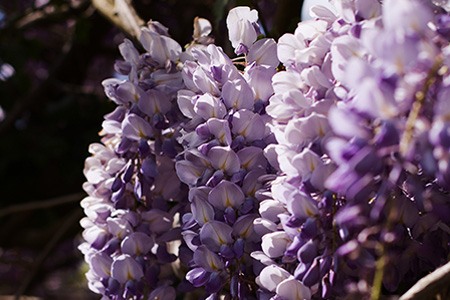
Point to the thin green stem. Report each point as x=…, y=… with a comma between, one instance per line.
x=378, y=279
x=419, y=100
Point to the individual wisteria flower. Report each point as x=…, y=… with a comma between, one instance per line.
x=359, y=120
x=243, y=28
x=135, y=196
x=223, y=158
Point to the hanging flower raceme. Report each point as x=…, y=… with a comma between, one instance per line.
x=134, y=193
x=363, y=86
x=224, y=140
x=297, y=217
x=389, y=159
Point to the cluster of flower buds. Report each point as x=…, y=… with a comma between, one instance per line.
x=134, y=193
x=223, y=158
x=235, y=178
x=386, y=163
x=364, y=182
x=298, y=217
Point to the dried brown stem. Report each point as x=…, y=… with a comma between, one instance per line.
x=40, y=16
x=122, y=14
x=429, y=286
x=69, y=221
x=41, y=204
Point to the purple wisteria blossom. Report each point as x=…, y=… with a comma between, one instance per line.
x=243, y=28
x=130, y=227
x=358, y=117
x=223, y=158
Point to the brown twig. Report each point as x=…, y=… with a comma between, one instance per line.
x=69, y=221
x=41, y=204
x=429, y=286
x=57, y=13
x=122, y=14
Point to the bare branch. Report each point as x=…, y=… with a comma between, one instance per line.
x=50, y=14
x=429, y=286
x=122, y=14
x=42, y=204
x=65, y=226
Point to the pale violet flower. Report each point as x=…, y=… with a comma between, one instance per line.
x=276, y=280
x=312, y=5
x=274, y=244
x=242, y=28
x=271, y=276
x=292, y=289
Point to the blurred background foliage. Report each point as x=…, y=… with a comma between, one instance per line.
x=53, y=56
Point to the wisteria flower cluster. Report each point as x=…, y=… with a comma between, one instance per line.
x=315, y=167
x=134, y=193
